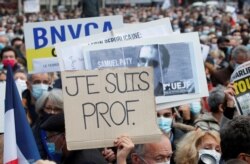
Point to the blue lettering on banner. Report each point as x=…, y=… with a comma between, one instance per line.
x=54, y=33
x=41, y=39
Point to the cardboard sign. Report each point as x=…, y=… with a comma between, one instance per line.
x=41, y=36
x=100, y=105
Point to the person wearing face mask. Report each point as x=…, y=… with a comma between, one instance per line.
x=202, y=146
x=9, y=57
x=50, y=103
x=211, y=120
x=36, y=85
x=239, y=55
x=21, y=78
x=223, y=44
x=174, y=131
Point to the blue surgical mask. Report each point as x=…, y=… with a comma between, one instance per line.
x=1, y=66
x=165, y=124
x=54, y=155
x=195, y=107
x=38, y=89
x=2, y=46
x=212, y=152
x=248, y=47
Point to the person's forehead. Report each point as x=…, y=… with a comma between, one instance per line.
x=163, y=147
x=20, y=75
x=8, y=54
x=148, y=52
x=164, y=111
x=40, y=77
x=18, y=42
x=50, y=102
x=208, y=139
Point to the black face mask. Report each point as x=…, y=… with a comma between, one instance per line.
x=224, y=49
x=45, y=115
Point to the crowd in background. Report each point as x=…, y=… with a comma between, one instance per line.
x=226, y=32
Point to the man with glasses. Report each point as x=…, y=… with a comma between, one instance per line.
x=153, y=153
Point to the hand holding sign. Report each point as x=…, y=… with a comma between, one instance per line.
x=124, y=145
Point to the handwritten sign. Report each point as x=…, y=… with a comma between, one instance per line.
x=100, y=105
x=41, y=36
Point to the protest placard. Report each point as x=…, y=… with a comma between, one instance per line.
x=100, y=105
x=41, y=36
x=31, y=6
x=241, y=82
x=178, y=65
x=70, y=53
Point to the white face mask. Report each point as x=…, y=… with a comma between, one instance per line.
x=212, y=152
x=22, y=84
x=168, y=162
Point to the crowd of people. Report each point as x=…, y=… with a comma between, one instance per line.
x=206, y=131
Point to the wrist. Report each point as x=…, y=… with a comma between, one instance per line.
x=121, y=160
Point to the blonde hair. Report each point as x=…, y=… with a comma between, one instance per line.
x=187, y=148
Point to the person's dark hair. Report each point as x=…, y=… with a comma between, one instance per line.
x=235, y=137
x=235, y=161
x=222, y=40
x=15, y=39
x=165, y=57
x=6, y=49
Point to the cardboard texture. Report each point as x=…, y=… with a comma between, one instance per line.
x=101, y=105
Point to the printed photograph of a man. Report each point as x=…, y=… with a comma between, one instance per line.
x=149, y=56
x=172, y=65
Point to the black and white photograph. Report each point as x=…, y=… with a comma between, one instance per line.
x=173, y=73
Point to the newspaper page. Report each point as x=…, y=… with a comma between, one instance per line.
x=177, y=62
x=241, y=82
x=70, y=55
